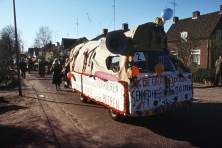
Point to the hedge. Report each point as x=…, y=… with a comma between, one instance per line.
x=201, y=74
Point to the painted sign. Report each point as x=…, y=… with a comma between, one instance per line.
x=151, y=92
x=106, y=92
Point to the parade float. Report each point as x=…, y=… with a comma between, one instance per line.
x=130, y=73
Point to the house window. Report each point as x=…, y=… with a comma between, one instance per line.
x=195, y=56
x=218, y=35
x=183, y=36
x=174, y=53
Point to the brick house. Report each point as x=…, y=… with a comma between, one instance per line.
x=202, y=29
x=50, y=52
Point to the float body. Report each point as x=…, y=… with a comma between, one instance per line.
x=120, y=72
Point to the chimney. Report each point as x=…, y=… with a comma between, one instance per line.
x=175, y=19
x=125, y=27
x=105, y=31
x=196, y=14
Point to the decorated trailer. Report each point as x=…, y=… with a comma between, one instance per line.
x=130, y=73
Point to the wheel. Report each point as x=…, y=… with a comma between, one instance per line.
x=115, y=116
x=83, y=99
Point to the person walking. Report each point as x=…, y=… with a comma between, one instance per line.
x=66, y=70
x=218, y=66
x=56, y=68
x=22, y=65
x=29, y=65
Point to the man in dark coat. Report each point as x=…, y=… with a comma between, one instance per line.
x=22, y=65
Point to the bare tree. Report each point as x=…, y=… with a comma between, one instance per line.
x=185, y=48
x=43, y=36
x=7, y=48
x=7, y=42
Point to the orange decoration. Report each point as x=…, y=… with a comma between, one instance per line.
x=135, y=71
x=69, y=75
x=139, y=106
x=159, y=69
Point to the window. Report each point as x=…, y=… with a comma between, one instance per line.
x=195, y=56
x=218, y=34
x=183, y=36
x=147, y=60
x=174, y=53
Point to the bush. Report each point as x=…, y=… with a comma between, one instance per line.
x=7, y=74
x=208, y=74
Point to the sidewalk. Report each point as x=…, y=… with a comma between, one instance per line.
x=202, y=85
x=23, y=121
x=199, y=84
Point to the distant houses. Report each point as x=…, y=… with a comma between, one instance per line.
x=197, y=35
x=33, y=52
x=67, y=44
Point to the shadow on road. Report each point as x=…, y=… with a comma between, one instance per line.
x=201, y=127
x=20, y=137
x=4, y=107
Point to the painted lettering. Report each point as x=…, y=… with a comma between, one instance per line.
x=157, y=81
x=146, y=82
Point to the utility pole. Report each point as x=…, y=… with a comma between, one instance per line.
x=17, y=51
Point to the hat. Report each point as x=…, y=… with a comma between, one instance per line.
x=56, y=59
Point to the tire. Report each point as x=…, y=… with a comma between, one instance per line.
x=83, y=99
x=115, y=116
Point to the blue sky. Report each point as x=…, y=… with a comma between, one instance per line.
x=93, y=15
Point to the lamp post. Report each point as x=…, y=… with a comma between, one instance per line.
x=17, y=51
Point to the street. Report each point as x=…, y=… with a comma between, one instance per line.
x=71, y=123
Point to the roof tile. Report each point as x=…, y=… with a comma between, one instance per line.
x=202, y=26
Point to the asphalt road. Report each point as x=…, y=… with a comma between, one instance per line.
x=89, y=125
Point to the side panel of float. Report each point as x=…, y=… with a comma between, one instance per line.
x=111, y=94
x=152, y=95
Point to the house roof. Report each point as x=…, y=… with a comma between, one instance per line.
x=104, y=35
x=202, y=26
x=31, y=51
x=78, y=41
x=67, y=42
x=105, y=31
x=52, y=48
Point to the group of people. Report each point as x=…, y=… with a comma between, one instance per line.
x=218, y=67
x=60, y=71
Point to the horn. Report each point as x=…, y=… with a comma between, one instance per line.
x=116, y=42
